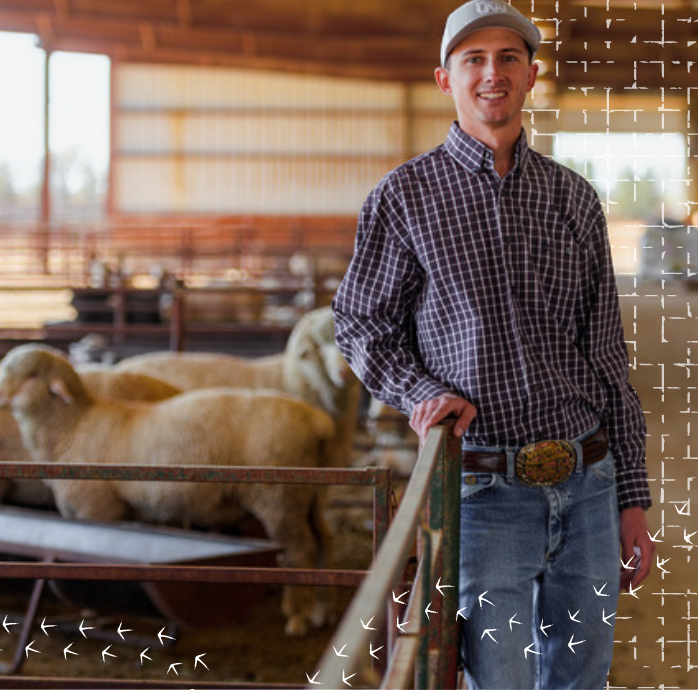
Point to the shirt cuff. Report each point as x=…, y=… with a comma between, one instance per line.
x=633, y=488
x=424, y=389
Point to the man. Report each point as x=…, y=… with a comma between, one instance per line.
x=482, y=288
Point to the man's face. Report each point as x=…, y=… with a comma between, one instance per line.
x=489, y=76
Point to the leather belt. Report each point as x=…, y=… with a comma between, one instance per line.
x=544, y=463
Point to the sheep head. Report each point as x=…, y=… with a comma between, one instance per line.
x=313, y=339
x=32, y=375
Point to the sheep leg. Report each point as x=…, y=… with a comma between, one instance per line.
x=286, y=512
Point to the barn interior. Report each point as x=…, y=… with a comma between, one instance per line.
x=240, y=140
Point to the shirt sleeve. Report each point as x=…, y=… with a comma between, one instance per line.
x=374, y=308
x=604, y=347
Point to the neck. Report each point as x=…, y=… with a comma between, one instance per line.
x=502, y=142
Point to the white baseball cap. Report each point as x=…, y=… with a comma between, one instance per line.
x=481, y=14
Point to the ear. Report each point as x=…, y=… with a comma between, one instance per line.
x=443, y=80
x=532, y=75
x=60, y=390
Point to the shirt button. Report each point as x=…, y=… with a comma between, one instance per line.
x=535, y=388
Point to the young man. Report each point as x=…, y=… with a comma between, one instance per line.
x=482, y=287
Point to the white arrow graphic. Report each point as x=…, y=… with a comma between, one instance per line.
x=29, y=648
x=161, y=635
x=543, y=627
x=67, y=651
x=105, y=652
x=44, y=626
x=5, y=624
x=367, y=624
x=632, y=591
x=481, y=599
x=402, y=625
x=198, y=659
x=599, y=591
x=427, y=610
x=687, y=536
x=312, y=680
x=173, y=667
x=83, y=628
x=512, y=621
x=339, y=653
x=120, y=631
x=685, y=509
x=489, y=632
x=571, y=644
x=528, y=649
x=440, y=587
x=627, y=565
x=605, y=617
x=398, y=599
x=660, y=564
x=460, y=613
x=345, y=679
x=144, y=655
x=654, y=538
x=572, y=618
x=373, y=651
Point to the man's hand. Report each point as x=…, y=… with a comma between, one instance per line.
x=634, y=531
x=430, y=412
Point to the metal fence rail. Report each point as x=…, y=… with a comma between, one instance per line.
x=422, y=651
x=376, y=477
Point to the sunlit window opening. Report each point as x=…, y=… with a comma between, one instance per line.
x=21, y=126
x=78, y=131
x=643, y=183
x=79, y=119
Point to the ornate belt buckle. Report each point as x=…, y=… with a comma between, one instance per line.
x=545, y=463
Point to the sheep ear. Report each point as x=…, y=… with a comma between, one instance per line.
x=60, y=390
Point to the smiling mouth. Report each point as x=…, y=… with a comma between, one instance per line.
x=493, y=95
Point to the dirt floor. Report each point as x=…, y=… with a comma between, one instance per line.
x=654, y=642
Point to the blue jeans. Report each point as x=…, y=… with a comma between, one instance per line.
x=539, y=555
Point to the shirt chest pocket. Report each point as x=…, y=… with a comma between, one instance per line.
x=558, y=264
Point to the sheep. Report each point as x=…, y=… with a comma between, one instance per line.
x=311, y=368
x=61, y=421
x=101, y=382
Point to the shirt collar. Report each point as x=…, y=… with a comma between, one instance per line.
x=475, y=156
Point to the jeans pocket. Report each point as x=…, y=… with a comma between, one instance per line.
x=474, y=483
x=605, y=469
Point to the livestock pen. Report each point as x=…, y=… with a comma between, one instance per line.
x=424, y=652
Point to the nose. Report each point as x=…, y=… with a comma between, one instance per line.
x=491, y=71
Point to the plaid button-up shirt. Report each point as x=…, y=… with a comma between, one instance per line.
x=499, y=290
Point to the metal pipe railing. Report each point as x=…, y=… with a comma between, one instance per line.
x=376, y=477
x=424, y=653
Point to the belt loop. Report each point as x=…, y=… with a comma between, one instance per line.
x=511, y=464
x=579, y=451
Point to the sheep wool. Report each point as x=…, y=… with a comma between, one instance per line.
x=311, y=368
x=61, y=421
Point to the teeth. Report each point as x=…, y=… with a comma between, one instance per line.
x=493, y=96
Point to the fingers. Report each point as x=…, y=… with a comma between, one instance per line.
x=428, y=413
x=467, y=416
x=636, y=546
x=647, y=549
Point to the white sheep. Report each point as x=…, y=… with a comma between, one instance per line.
x=311, y=368
x=60, y=421
x=101, y=382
